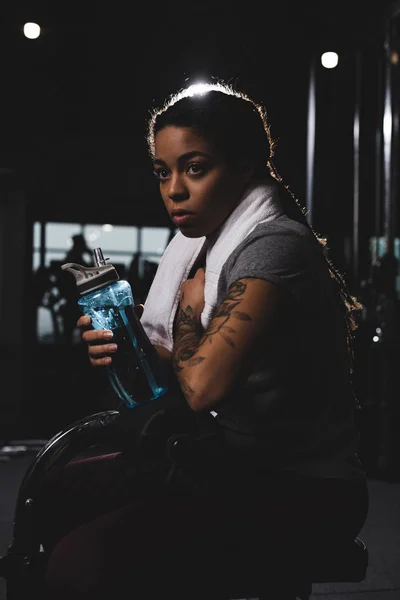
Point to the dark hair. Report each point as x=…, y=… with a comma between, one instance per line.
x=241, y=134
x=238, y=127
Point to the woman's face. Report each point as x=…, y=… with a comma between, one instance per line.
x=198, y=186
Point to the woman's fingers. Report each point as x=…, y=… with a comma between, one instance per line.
x=100, y=343
x=100, y=356
x=97, y=336
x=84, y=322
x=98, y=351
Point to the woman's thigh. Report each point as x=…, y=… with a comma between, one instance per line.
x=83, y=490
x=177, y=535
x=141, y=550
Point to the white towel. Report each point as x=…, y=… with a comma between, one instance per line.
x=260, y=203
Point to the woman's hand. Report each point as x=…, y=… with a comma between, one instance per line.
x=192, y=293
x=100, y=341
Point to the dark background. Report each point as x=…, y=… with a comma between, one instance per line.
x=74, y=108
x=75, y=101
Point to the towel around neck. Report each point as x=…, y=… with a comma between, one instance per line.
x=260, y=203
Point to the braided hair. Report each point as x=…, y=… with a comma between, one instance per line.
x=239, y=128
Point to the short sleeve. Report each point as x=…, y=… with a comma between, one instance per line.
x=285, y=253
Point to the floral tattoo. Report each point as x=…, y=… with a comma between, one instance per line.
x=188, y=335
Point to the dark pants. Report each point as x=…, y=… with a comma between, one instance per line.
x=115, y=532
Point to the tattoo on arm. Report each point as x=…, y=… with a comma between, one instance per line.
x=187, y=337
x=188, y=333
x=227, y=310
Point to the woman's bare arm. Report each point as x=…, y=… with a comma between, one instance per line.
x=210, y=363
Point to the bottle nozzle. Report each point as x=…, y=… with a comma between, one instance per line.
x=99, y=259
x=89, y=279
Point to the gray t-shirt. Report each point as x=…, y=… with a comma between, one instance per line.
x=295, y=412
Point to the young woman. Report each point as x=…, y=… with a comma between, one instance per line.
x=256, y=325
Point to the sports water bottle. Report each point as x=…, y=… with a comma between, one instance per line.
x=136, y=373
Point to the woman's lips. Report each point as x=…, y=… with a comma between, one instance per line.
x=182, y=218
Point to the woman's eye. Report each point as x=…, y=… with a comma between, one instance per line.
x=160, y=174
x=195, y=169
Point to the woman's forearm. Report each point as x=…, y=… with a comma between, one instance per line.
x=188, y=334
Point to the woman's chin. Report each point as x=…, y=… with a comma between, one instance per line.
x=191, y=234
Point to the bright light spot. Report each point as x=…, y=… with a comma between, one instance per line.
x=329, y=60
x=378, y=330
x=31, y=30
x=92, y=236
x=375, y=338
x=197, y=89
x=107, y=227
x=387, y=124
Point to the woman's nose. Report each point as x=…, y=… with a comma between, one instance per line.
x=177, y=189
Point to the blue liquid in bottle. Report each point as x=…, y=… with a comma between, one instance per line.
x=136, y=373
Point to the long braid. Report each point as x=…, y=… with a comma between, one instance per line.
x=351, y=306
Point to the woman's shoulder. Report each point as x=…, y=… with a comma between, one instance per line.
x=281, y=251
x=283, y=226
x=282, y=239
